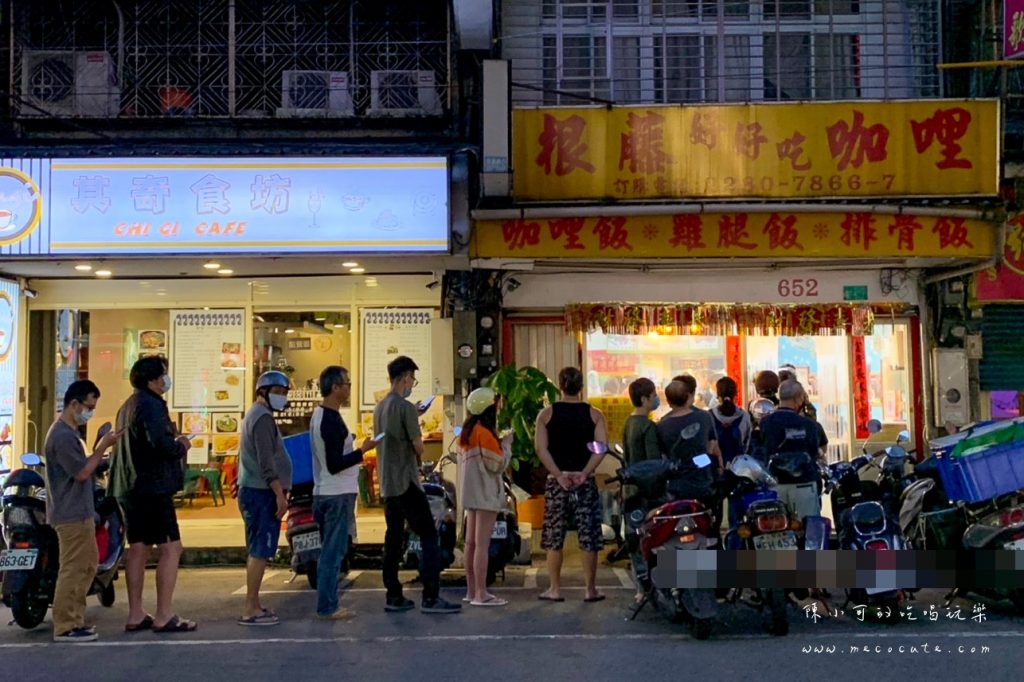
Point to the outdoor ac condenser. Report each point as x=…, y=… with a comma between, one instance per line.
x=403, y=93
x=311, y=94
x=65, y=83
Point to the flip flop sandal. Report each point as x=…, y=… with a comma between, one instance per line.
x=176, y=624
x=262, y=619
x=543, y=597
x=591, y=600
x=144, y=624
x=491, y=601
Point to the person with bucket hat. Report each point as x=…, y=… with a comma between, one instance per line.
x=482, y=462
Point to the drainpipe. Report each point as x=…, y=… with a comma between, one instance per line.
x=120, y=45
x=591, y=211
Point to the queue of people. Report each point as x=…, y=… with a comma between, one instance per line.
x=148, y=463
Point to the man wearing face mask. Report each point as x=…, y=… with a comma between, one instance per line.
x=146, y=471
x=264, y=479
x=70, y=508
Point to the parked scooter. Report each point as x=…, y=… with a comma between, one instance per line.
x=657, y=525
x=303, y=533
x=982, y=536
x=32, y=561
x=440, y=494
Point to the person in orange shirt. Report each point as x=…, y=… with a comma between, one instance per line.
x=482, y=462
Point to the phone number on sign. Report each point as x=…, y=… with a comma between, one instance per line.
x=797, y=184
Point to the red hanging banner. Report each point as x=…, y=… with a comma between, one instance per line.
x=861, y=403
x=734, y=365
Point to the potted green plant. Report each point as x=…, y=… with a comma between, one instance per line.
x=525, y=391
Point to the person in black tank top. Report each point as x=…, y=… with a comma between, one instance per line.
x=563, y=431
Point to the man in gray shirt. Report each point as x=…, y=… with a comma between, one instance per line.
x=398, y=462
x=71, y=508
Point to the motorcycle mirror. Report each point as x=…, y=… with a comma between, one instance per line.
x=597, y=448
x=896, y=452
x=874, y=426
x=31, y=459
x=701, y=461
x=903, y=437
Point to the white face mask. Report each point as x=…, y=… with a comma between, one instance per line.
x=277, y=401
x=83, y=417
x=168, y=382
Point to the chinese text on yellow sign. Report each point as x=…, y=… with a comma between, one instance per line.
x=732, y=235
x=902, y=148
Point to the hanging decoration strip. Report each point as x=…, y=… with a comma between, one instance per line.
x=712, y=319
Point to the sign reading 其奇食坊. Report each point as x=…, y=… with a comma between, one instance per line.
x=217, y=205
x=1013, y=29
x=736, y=235
x=826, y=149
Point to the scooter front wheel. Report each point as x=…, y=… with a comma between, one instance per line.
x=28, y=609
x=701, y=628
x=778, y=619
x=311, y=573
x=108, y=596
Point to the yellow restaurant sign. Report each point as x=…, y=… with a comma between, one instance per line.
x=828, y=149
x=732, y=235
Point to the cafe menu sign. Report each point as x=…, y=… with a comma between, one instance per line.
x=177, y=205
x=208, y=359
x=9, y=297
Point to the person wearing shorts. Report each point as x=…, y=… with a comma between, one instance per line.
x=564, y=431
x=147, y=469
x=264, y=479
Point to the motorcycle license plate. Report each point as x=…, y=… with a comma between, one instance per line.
x=1016, y=544
x=306, y=542
x=784, y=540
x=18, y=559
x=500, y=531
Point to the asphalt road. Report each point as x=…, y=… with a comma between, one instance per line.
x=526, y=640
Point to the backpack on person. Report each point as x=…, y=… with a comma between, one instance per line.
x=730, y=437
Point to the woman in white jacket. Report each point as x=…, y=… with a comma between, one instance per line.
x=482, y=462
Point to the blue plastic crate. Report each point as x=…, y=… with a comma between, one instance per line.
x=300, y=450
x=984, y=475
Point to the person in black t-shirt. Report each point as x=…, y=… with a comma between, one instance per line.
x=791, y=443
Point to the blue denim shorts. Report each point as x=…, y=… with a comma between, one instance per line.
x=262, y=527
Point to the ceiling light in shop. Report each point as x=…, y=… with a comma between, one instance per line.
x=103, y=273
x=225, y=271
x=339, y=326
x=84, y=267
x=350, y=264
x=211, y=266
x=357, y=271
x=289, y=331
x=371, y=282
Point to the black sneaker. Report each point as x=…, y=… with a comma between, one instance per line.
x=396, y=604
x=77, y=635
x=439, y=605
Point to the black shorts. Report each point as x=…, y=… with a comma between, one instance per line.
x=151, y=520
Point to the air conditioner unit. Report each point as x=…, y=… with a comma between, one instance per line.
x=308, y=94
x=60, y=83
x=403, y=93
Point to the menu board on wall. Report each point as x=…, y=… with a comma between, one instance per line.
x=207, y=359
x=384, y=335
x=9, y=296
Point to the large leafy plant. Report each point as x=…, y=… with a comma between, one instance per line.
x=525, y=391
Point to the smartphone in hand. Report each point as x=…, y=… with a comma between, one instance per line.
x=104, y=430
x=425, y=404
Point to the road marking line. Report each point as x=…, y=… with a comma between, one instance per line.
x=401, y=639
x=623, y=576
x=357, y=590
x=266, y=577
x=530, y=581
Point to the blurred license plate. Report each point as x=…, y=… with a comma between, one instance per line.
x=500, y=531
x=1016, y=544
x=306, y=542
x=18, y=559
x=784, y=540
x=878, y=590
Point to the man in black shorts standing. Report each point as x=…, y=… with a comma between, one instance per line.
x=146, y=471
x=563, y=431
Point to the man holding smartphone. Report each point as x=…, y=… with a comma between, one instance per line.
x=71, y=508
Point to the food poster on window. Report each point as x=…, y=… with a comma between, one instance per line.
x=10, y=295
x=199, y=450
x=153, y=342
x=207, y=360
x=384, y=335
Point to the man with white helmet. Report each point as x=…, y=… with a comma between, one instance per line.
x=264, y=478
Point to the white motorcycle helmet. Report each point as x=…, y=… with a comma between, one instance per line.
x=761, y=408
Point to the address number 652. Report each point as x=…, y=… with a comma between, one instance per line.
x=798, y=288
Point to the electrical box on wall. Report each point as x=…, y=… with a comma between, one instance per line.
x=443, y=381
x=952, y=386
x=464, y=344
